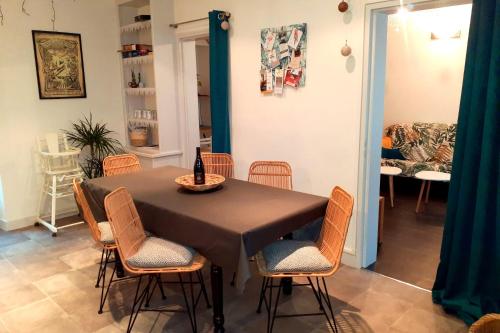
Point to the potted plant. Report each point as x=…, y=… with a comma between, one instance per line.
x=96, y=142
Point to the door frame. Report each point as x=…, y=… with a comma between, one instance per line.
x=371, y=126
x=189, y=136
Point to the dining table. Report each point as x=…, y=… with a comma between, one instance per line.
x=226, y=225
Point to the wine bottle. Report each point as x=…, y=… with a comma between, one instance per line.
x=199, y=169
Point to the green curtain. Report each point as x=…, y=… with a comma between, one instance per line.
x=219, y=85
x=468, y=276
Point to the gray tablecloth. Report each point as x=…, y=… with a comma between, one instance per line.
x=226, y=225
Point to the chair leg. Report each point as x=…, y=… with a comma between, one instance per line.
x=53, y=203
x=160, y=285
x=138, y=300
x=41, y=199
x=192, y=316
x=319, y=297
x=269, y=306
x=276, y=305
x=203, y=288
x=104, y=295
x=149, y=295
x=100, y=269
x=262, y=294
x=329, y=303
x=191, y=287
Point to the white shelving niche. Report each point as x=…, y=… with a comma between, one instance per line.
x=148, y=112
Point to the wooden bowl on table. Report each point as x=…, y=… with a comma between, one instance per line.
x=211, y=181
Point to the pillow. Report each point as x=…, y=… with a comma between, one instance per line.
x=387, y=142
x=392, y=154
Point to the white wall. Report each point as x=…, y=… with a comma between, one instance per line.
x=23, y=116
x=315, y=128
x=424, y=76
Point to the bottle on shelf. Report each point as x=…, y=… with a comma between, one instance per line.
x=199, y=169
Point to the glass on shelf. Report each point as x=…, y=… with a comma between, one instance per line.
x=143, y=115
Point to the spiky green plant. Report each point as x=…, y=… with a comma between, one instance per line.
x=96, y=142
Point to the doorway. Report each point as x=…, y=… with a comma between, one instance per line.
x=203, y=82
x=415, y=65
x=194, y=92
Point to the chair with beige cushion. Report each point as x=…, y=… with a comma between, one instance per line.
x=271, y=173
x=219, y=164
x=306, y=259
x=103, y=236
x=148, y=257
x=121, y=164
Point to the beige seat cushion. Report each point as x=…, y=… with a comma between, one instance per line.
x=290, y=256
x=106, y=233
x=160, y=253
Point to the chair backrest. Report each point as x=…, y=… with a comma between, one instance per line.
x=121, y=164
x=489, y=323
x=125, y=223
x=88, y=217
x=56, y=155
x=335, y=225
x=53, y=143
x=219, y=164
x=271, y=173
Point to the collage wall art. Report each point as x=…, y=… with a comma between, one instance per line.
x=283, y=58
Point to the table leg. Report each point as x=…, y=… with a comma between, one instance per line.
x=287, y=282
x=422, y=188
x=391, y=190
x=118, y=264
x=428, y=190
x=216, y=280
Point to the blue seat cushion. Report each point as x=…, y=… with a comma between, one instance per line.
x=294, y=256
x=161, y=253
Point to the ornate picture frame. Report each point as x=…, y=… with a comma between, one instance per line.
x=59, y=64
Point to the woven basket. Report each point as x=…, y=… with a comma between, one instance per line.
x=211, y=181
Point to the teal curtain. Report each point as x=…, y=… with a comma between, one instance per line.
x=219, y=85
x=468, y=276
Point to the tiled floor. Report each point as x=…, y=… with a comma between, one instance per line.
x=46, y=285
x=412, y=242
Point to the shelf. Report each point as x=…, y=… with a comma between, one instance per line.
x=140, y=91
x=147, y=59
x=145, y=121
x=152, y=152
x=137, y=26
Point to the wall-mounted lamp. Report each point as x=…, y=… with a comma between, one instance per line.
x=445, y=34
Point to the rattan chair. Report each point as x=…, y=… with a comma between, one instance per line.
x=121, y=164
x=271, y=173
x=295, y=255
x=489, y=323
x=138, y=257
x=219, y=164
x=102, y=235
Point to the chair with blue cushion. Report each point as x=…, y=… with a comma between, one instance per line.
x=307, y=259
x=149, y=257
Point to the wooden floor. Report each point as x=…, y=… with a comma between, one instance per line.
x=412, y=242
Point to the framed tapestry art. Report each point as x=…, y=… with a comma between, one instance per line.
x=59, y=64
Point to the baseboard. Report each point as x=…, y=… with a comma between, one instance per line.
x=350, y=259
x=30, y=220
